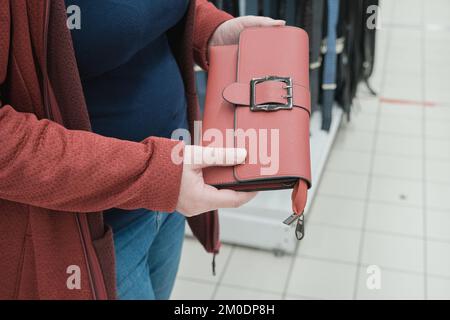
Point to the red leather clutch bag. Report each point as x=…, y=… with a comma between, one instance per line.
x=258, y=98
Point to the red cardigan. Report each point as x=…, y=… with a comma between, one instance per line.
x=56, y=177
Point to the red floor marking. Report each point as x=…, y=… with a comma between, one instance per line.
x=408, y=102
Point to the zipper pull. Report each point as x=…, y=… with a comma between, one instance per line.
x=213, y=265
x=300, y=228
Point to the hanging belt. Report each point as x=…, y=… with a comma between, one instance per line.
x=270, y=9
x=329, y=70
x=252, y=7
x=310, y=17
x=291, y=11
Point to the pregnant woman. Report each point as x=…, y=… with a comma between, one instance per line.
x=91, y=204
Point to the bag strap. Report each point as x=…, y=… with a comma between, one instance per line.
x=270, y=92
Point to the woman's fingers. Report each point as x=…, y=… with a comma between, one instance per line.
x=255, y=21
x=201, y=157
x=228, y=32
x=197, y=197
x=226, y=198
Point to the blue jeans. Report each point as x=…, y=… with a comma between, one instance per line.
x=148, y=251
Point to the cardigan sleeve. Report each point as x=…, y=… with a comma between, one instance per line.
x=46, y=165
x=207, y=19
x=5, y=25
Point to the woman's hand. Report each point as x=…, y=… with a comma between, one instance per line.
x=197, y=197
x=228, y=32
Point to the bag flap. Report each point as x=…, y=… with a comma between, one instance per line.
x=282, y=149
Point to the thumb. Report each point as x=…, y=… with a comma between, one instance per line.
x=201, y=157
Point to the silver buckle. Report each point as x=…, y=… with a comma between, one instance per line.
x=271, y=106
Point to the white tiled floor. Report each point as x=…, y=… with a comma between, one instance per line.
x=384, y=199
